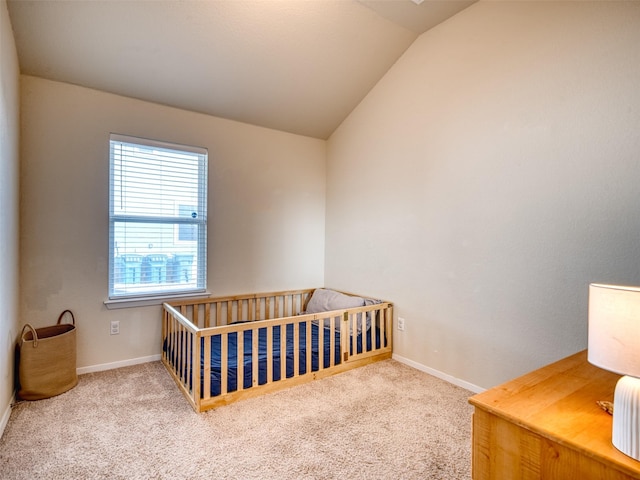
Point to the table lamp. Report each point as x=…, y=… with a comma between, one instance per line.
x=614, y=344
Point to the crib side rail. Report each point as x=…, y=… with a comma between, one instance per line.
x=334, y=331
x=369, y=332
x=218, y=311
x=181, y=352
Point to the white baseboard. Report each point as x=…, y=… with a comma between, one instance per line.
x=6, y=414
x=436, y=373
x=123, y=363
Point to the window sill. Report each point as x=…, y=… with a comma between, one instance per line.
x=113, y=304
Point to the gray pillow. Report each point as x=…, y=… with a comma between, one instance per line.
x=324, y=300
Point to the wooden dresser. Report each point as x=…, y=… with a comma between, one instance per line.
x=547, y=425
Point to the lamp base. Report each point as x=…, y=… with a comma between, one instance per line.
x=626, y=416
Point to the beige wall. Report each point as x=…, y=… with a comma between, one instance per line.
x=488, y=178
x=266, y=210
x=9, y=198
x=485, y=181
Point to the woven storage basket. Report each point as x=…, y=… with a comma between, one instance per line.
x=47, y=361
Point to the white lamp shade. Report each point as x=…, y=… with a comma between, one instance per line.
x=614, y=328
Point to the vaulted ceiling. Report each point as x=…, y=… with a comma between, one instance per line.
x=294, y=65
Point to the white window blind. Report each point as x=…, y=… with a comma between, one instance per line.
x=157, y=218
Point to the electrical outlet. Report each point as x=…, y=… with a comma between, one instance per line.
x=115, y=327
x=401, y=323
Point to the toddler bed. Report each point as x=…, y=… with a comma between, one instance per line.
x=219, y=350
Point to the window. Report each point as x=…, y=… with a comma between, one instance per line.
x=157, y=218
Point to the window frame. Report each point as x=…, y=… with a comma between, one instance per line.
x=155, y=294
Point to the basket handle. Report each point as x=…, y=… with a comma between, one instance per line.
x=33, y=332
x=73, y=320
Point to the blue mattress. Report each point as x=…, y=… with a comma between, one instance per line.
x=232, y=357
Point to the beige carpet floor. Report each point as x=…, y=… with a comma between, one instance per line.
x=382, y=421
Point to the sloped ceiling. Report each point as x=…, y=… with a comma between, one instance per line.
x=294, y=65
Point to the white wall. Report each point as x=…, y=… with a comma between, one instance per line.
x=266, y=210
x=9, y=199
x=488, y=178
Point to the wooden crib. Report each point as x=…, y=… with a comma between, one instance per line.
x=220, y=350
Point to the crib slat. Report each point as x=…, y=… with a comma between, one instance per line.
x=361, y=326
x=236, y=310
x=194, y=366
x=195, y=313
x=224, y=363
x=363, y=331
x=344, y=337
x=354, y=333
x=270, y=354
x=267, y=308
x=187, y=359
x=321, y=343
x=283, y=352
x=206, y=387
x=170, y=339
x=254, y=356
x=296, y=349
x=388, y=324
x=341, y=340
x=176, y=346
x=374, y=316
x=240, y=361
x=179, y=352
x=308, y=348
x=180, y=348
x=332, y=341
x=207, y=315
x=381, y=330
